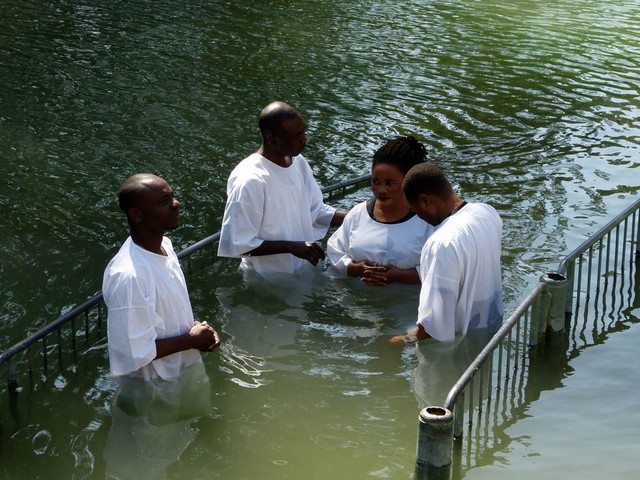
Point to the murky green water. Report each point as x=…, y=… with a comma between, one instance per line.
x=530, y=106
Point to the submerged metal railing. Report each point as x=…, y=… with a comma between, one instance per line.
x=506, y=375
x=93, y=314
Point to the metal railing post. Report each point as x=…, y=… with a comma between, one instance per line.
x=13, y=376
x=557, y=288
x=637, y=214
x=571, y=269
x=435, y=442
x=458, y=417
x=539, y=314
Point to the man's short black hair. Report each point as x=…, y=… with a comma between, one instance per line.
x=132, y=189
x=426, y=178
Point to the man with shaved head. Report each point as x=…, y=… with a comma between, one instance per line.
x=275, y=212
x=151, y=330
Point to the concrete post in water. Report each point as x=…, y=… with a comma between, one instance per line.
x=557, y=287
x=435, y=443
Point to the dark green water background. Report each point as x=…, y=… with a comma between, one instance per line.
x=532, y=107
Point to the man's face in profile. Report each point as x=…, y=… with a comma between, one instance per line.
x=290, y=138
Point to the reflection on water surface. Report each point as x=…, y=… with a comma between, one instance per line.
x=529, y=106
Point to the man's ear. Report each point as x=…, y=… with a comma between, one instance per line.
x=135, y=214
x=271, y=140
x=424, y=199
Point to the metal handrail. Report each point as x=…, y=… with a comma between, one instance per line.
x=528, y=302
x=44, y=331
x=504, y=330
x=599, y=235
x=198, y=245
x=98, y=298
x=551, y=303
x=346, y=184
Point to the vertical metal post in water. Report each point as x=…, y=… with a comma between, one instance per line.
x=458, y=417
x=13, y=376
x=637, y=214
x=539, y=314
x=571, y=269
x=557, y=286
x=435, y=443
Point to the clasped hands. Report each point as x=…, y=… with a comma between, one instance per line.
x=203, y=337
x=372, y=274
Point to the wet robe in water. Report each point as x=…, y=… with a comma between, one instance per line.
x=461, y=274
x=362, y=238
x=268, y=202
x=147, y=298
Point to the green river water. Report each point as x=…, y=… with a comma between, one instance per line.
x=530, y=106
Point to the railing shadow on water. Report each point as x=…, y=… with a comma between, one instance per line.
x=593, y=291
x=72, y=334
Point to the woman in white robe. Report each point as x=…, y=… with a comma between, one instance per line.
x=381, y=239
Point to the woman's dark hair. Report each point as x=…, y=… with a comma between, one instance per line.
x=401, y=152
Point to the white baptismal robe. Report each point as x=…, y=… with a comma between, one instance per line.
x=362, y=238
x=461, y=274
x=268, y=202
x=147, y=299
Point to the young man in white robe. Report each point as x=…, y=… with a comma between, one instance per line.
x=154, y=342
x=460, y=263
x=151, y=330
x=275, y=212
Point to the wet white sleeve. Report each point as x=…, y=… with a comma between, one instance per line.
x=243, y=216
x=130, y=328
x=439, y=294
x=321, y=214
x=338, y=245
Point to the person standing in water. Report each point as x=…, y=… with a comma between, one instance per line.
x=154, y=342
x=381, y=239
x=275, y=212
x=460, y=262
x=151, y=330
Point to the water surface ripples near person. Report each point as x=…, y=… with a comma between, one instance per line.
x=530, y=106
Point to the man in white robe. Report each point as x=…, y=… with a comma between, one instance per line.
x=151, y=330
x=275, y=212
x=153, y=339
x=460, y=263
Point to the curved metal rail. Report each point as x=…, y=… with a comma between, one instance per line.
x=9, y=356
x=582, y=276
